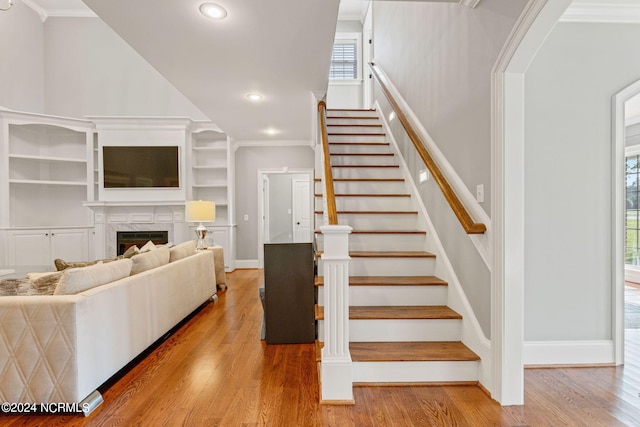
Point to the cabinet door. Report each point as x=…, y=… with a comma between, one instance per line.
x=69, y=245
x=220, y=237
x=28, y=248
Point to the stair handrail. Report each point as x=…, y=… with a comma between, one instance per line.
x=332, y=212
x=458, y=208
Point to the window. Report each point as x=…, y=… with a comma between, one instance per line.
x=344, y=62
x=632, y=212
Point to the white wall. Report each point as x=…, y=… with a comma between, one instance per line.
x=440, y=57
x=21, y=59
x=91, y=71
x=568, y=178
x=248, y=160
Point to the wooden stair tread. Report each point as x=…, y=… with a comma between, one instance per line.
x=421, y=351
x=363, y=179
x=441, y=351
x=358, y=143
x=355, y=134
x=387, y=254
x=352, y=117
x=362, y=154
x=367, y=195
x=397, y=312
x=382, y=232
x=374, y=212
x=389, y=281
x=362, y=110
x=365, y=166
x=354, y=125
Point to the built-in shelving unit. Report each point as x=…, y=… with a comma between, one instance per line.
x=212, y=179
x=46, y=173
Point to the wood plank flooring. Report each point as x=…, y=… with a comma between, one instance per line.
x=215, y=371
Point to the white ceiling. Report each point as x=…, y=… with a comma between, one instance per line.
x=280, y=48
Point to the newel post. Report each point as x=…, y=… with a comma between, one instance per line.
x=335, y=370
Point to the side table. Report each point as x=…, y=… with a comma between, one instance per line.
x=218, y=259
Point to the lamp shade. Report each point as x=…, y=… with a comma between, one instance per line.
x=200, y=211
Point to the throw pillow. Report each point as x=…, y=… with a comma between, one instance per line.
x=43, y=285
x=148, y=260
x=182, y=250
x=131, y=251
x=149, y=246
x=63, y=265
x=76, y=280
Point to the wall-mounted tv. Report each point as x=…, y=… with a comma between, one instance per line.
x=140, y=166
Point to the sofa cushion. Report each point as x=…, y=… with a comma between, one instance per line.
x=148, y=260
x=182, y=250
x=75, y=280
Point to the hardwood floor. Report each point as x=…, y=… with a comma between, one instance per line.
x=215, y=371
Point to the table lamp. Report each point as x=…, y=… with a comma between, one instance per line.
x=201, y=211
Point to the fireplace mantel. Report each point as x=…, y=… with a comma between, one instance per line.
x=113, y=216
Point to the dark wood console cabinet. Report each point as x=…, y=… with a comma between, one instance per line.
x=289, y=293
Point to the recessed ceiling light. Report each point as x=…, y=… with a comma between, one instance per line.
x=254, y=97
x=271, y=131
x=212, y=10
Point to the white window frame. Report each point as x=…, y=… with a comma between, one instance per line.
x=345, y=37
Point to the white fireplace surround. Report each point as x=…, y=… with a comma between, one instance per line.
x=111, y=217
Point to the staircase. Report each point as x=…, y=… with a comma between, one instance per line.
x=400, y=328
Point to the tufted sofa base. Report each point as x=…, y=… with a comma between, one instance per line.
x=61, y=348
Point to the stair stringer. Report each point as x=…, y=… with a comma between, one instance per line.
x=472, y=334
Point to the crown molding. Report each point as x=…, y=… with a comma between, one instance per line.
x=602, y=13
x=58, y=13
x=470, y=3
x=37, y=9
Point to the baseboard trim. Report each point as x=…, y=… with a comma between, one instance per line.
x=540, y=353
x=246, y=263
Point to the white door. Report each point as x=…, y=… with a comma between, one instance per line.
x=301, y=210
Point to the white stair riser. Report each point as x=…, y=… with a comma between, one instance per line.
x=366, y=173
x=362, y=160
x=357, y=138
x=393, y=295
x=388, y=267
x=399, y=330
x=363, y=187
x=350, y=203
x=352, y=121
x=360, y=149
x=385, y=222
x=393, y=372
x=350, y=113
x=355, y=129
x=381, y=242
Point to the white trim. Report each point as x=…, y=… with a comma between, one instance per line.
x=246, y=263
x=71, y=13
x=482, y=242
x=632, y=150
x=37, y=9
x=469, y=3
x=345, y=82
x=472, y=334
x=617, y=211
x=602, y=13
x=507, y=145
x=568, y=352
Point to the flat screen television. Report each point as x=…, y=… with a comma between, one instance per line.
x=140, y=166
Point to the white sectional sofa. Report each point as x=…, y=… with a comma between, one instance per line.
x=61, y=348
